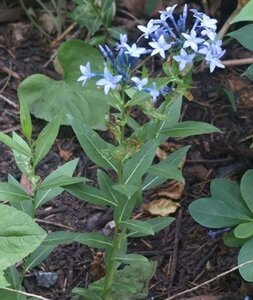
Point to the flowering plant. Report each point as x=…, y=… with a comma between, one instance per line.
x=126, y=165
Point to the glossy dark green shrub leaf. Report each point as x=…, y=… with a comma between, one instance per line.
x=215, y=213
x=46, y=97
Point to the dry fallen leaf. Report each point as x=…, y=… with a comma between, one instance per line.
x=161, y=207
x=25, y=182
x=47, y=23
x=65, y=154
x=97, y=269
x=173, y=191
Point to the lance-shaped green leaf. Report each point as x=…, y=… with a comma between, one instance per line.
x=105, y=184
x=244, y=230
x=46, y=139
x=95, y=147
x=60, y=181
x=38, y=256
x=11, y=192
x=19, y=236
x=245, y=14
x=96, y=240
x=139, y=226
x=126, y=189
x=246, y=255
x=44, y=196
x=45, y=97
x=246, y=189
x=157, y=224
x=4, y=138
x=90, y=194
x=229, y=191
x=169, y=168
x=129, y=259
x=215, y=213
x=59, y=237
x=139, y=163
x=189, y=128
x=242, y=36
x=25, y=120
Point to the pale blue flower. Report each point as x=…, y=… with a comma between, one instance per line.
x=139, y=83
x=135, y=51
x=148, y=29
x=86, y=73
x=165, y=14
x=192, y=40
x=184, y=59
x=213, y=60
x=109, y=81
x=154, y=93
x=160, y=46
x=208, y=22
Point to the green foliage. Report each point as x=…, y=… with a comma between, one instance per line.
x=93, y=14
x=20, y=235
x=45, y=97
x=249, y=72
x=230, y=205
x=242, y=36
x=245, y=14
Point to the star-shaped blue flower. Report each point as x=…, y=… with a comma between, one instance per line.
x=109, y=81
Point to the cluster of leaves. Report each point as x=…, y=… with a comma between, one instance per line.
x=230, y=205
x=94, y=14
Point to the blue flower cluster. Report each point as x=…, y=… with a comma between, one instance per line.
x=167, y=34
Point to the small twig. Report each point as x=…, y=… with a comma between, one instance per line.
x=24, y=293
x=62, y=36
x=210, y=280
x=53, y=223
x=9, y=101
x=238, y=62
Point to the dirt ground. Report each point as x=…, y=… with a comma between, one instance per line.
x=185, y=254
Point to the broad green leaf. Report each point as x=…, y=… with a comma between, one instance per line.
x=25, y=205
x=4, y=138
x=245, y=14
x=95, y=147
x=44, y=196
x=11, y=192
x=169, y=168
x=46, y=97
x=25, y=120
x=246, y=189
x=46, y=139
x=229, y=192
x=139, y=163
x=215, y=213
x=90, y=194
x=249, y=72
x=245, y=255
x=19, y=234
x=157, y=224
x=231, y=241
x=38, y=256
x=126, y=189
x=96, y=240
x=242, y=35
x=12, y=276
x=105, y=184
x=60, y=181
x=129, y=259
x=244, y=230
x=189, y=128
x=139, y=226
